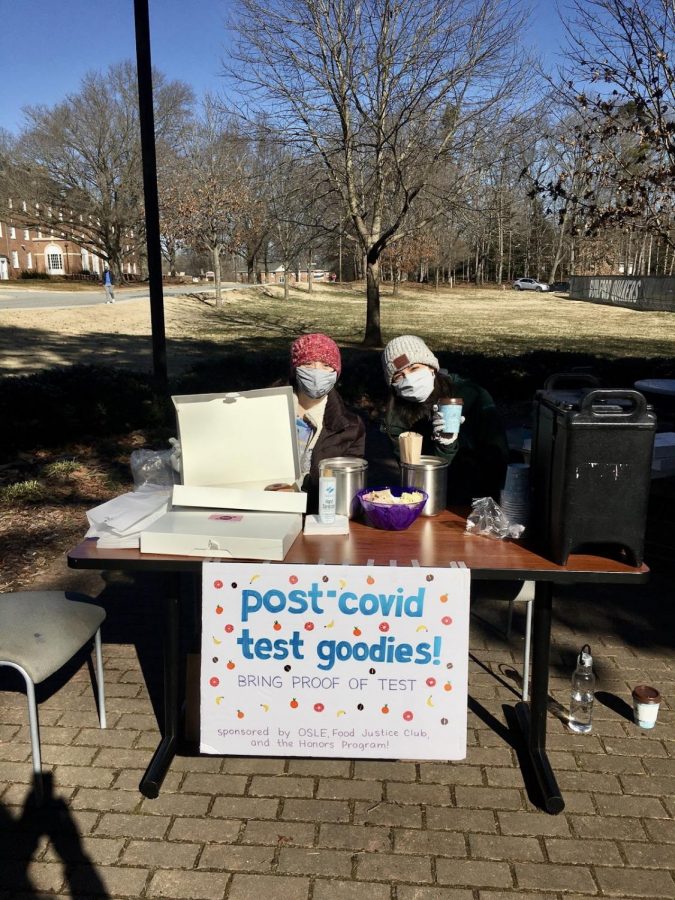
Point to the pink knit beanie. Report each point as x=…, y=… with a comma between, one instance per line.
x=310, y=348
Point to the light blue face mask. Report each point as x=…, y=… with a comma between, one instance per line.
x=315, y=383
x=417, y=385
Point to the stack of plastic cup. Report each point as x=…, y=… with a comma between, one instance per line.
x=515, y=496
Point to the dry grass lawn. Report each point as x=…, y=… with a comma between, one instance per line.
x=489, y=321
x=46, y=490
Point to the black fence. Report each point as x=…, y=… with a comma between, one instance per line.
x=648, y=292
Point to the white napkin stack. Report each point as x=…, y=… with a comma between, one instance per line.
x=119, y=522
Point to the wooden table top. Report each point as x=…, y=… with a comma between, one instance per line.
x=430, y=541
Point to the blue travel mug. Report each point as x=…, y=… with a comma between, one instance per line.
x=451, y=410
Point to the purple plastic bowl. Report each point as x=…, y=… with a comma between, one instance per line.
x=393, y=517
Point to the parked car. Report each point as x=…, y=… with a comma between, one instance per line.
x=561, y=286
x=529, y=284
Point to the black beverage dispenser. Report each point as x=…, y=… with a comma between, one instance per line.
x=591, y=471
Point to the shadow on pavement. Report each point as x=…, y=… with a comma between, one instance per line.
x=20, y=838
x=134, y=605
x=616, y=704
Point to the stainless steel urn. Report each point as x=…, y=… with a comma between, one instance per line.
x=350, y=477
x=430, y=474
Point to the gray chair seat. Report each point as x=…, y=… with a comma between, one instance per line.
x=40, y=631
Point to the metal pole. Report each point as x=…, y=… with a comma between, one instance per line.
x=153, y=776
x=147, y=121
x=532, y=718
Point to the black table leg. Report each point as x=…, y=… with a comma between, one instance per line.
x=532, y=717
x=163, y=756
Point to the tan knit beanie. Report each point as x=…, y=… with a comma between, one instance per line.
x=404, y=351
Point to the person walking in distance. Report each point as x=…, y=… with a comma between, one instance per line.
x=108, y=284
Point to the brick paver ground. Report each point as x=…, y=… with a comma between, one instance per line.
x=312, y=829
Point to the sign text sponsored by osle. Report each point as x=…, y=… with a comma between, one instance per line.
x=351, y=661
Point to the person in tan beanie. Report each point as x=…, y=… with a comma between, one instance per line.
x=477, y=452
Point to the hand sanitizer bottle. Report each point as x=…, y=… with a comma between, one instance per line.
x=582, y=693
x=327, y=489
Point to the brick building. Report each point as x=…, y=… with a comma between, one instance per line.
x=33, y=249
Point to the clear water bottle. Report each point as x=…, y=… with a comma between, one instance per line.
x=582, y=693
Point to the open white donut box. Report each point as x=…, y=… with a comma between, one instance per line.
x=233, y=446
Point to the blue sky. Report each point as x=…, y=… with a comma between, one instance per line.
x=47, y=48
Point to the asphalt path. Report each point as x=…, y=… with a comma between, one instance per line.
x=41, y=299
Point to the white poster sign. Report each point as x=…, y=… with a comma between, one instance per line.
x=335, y=661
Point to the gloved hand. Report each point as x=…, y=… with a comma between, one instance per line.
x=438, y=435
x=174, y=459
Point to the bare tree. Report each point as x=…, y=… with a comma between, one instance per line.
x=287, y=205
x=6, y=146
x=78, y=163
x=204, y=194
x=259, y=157
x=620, y=82
x=382, y=91
x=564, y=174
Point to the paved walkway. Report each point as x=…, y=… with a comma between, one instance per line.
x=34, y=298
x=311, y=829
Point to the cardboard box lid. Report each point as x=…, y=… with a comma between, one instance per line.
x=253, y=526
x=238, y=437
x=238, y=535
x=243, y=496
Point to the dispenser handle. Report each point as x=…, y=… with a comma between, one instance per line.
x=571, y=379
x=593, y=404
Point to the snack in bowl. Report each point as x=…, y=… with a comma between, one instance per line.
x=385, y=496
x=392, y=508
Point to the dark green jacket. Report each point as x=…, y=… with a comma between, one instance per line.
x=478, y=458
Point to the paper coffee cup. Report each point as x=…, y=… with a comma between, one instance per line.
x=451, y=410
x=646, y=701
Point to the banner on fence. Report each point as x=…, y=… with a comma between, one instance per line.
x=645, y=292
x=334, y=661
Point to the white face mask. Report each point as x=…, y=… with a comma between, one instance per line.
x=417, y=385
x=315, y=383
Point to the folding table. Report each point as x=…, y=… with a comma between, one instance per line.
x=432, y=541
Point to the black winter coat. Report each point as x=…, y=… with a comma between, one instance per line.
x=343, y=434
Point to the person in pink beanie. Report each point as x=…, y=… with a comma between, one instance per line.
x=325, y=426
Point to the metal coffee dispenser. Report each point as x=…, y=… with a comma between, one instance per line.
x=590, y=471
